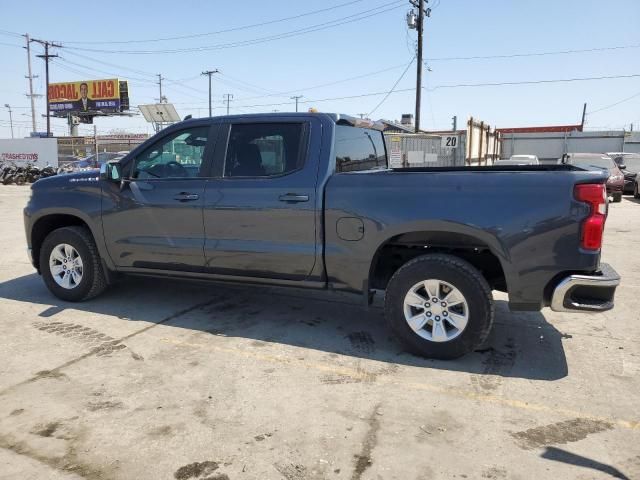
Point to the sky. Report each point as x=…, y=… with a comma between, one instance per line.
x=335, y=49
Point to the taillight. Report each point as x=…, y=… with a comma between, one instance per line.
x=595, y=194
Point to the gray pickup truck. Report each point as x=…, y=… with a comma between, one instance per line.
x=307, y=200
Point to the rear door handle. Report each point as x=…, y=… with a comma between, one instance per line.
x=293, y=198
x=186, y=197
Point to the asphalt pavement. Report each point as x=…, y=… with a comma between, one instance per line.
x=167, y=379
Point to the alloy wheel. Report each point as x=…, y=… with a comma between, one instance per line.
x=436, y=310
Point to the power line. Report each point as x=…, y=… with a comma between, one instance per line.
x=102, y=62
x=533, y=54
x=10, y=45
x=392, y=88
x=614, y=104
x=313, y=28
x=11, y=34
x=227, y=30
x=180, y=83
x=104, y=72
x=255, y=87
x=533, y=82
x=328, y=84
x=459, y=85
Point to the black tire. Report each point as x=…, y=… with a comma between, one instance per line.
x=93, y=281
x=458, y=273
x=19, y=180
x=617, y=197
x=636, y=193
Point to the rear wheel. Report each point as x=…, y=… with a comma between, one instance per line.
x=70, y=264
x=617, y=197
x=439, y=306
x=636, y=193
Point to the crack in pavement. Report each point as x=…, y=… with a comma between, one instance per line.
x=93, y=352
x=363, y=459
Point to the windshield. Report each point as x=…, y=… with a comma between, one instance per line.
x=589, y=162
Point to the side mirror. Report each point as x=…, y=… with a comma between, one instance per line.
x=111, y=171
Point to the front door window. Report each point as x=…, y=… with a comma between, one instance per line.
x=178, y=156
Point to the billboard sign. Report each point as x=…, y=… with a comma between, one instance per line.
x=37, y=151
x=85, y=97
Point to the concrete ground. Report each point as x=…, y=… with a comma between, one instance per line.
x=176, y=380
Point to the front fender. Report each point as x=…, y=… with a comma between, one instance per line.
x=82, y=202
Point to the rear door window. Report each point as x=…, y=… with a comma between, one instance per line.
x=265, y=149
x=359, y=149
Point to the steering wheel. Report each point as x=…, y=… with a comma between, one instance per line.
x=174, y=169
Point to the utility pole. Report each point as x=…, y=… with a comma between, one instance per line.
x=46, y=58
x=227, y=99
x=419, y=4
x=296, y=98
x=161, y=99
x=361, y=115
x=584, y=114
x=10, y=118
x=31, y=95
x=209, y=73
x=454, y=123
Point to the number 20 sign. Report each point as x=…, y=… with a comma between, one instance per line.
x=450, y=141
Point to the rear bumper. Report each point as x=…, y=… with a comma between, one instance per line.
x=628, y=185
x=586, y=292
x=615, y=188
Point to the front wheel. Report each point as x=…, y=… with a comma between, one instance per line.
x=636, y=193
x=70, y=264
x=617, y=197
x=439, y=306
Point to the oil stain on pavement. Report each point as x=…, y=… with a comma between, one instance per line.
x=560, y=433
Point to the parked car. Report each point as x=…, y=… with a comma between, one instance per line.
x=306, y=200
x=629, y=164
x=518, y=160
x=615, y=182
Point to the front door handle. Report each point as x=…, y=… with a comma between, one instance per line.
x=186, y=197
x=293, y=198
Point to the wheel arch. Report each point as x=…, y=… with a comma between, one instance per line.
x=47, y=222
x=490, y=259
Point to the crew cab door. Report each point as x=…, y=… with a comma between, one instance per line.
x=154, y=219
x=261, y=213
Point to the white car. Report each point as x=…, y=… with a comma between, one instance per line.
x=519, y=160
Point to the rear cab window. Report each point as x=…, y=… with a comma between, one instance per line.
x=358, y=149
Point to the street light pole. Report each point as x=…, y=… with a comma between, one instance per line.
x=10, y=117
